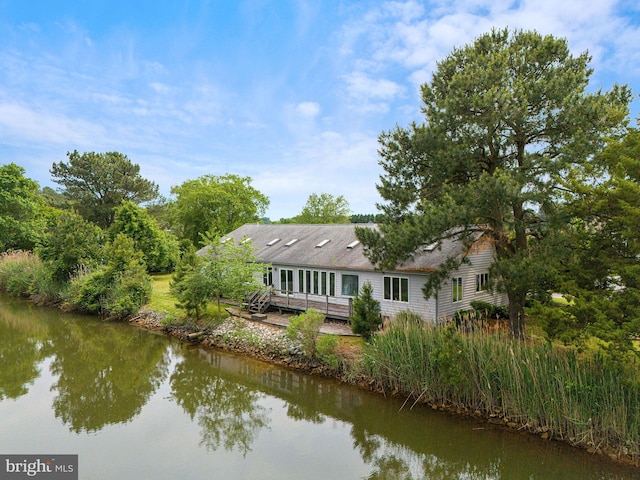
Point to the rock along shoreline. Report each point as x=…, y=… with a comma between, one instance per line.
x=241, y=335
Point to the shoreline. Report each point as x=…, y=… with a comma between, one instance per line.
x=268, y=343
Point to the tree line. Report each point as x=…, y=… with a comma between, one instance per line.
x=513, y=147
x=106, y=228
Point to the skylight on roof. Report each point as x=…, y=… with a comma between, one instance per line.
x=353, y=244
x=323, y=243
x=273, y=242
x=246, y=240
x=291, y=242
x=431, y=247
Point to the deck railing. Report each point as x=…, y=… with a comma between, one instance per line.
x=333, y=307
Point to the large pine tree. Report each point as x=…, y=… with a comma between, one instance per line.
x=508, y=120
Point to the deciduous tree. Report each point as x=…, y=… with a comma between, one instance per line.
x=215, y=205
x=231, y=269
x=22, y=220
x=324, y=208
x=159, y=248
x=224, y=270
x=70, y=242
x=508, y=120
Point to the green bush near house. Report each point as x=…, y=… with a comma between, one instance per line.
x=489, y=310
x=305, y=328
x=366, y=318
x=326, y=348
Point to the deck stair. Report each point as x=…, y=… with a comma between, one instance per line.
x=258, y=302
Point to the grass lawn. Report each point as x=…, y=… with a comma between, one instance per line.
x=161, y=298
x=162, y=301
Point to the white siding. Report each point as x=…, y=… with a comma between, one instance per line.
x=430, y=309
x=480, y=262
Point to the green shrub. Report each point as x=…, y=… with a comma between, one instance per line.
x=366, y=318
x=305, y=328
x=326, y=349
x=556, y=321
x=22, y=274
x=70, y=241
x=489, y=310
x=117, y=289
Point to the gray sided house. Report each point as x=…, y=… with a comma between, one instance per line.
x=324, y=266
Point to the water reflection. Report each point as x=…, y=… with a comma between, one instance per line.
x=106, y=372
x=249, y=417
x=21, y=350
x=229, y=413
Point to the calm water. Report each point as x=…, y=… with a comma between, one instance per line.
x=136, y=405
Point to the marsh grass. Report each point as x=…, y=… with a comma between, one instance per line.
x=584, y=399
x=23, y=274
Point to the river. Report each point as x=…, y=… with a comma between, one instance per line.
x=133, y=404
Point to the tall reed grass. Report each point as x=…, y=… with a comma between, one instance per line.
x=581, y=399
x=22, y=274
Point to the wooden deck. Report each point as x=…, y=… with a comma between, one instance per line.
x=333, y=307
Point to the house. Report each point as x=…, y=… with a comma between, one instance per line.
x=324, y=267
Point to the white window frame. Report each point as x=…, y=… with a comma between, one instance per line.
x=342, y=291
x=393, y=289
x=457, y=290
x=286, y=280
x=482, y=282
x=267, y=276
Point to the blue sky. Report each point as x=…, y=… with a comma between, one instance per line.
x=292, y=93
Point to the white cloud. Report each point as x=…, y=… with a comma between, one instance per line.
x=20, y=125
x=370, y=95
x=308, y=109
x=161, y=88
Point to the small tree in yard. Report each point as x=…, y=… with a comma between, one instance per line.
x=189, y=285
x=232, y=270
x=306, y=328
x=226, y=270
x=366, y=317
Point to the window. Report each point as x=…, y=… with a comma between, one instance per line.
x=286, y=281
x=315, y=281
x=456, y=289
x=482, y=282
x=396, y=288
x=349, y=285
x=267, y=276
x=353, y=244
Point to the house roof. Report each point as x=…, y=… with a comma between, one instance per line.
x=329, y=246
